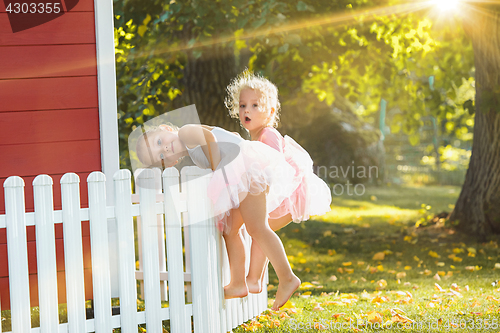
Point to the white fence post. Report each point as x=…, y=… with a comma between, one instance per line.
x=187, y=246
x=100, y=252
x=17, y=254
x=46, y=254
x=73, y=252
x=207, y=305
x=162, y=259
x=126, y=253
x=152, y=298
x=173, y=227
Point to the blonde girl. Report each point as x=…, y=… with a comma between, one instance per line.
x=254, y=101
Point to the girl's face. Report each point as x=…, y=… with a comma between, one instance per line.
x=163, y=145
x=253, y=115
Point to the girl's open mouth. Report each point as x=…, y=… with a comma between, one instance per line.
x=247, y=119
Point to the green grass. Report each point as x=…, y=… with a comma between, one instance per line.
x=333, y=255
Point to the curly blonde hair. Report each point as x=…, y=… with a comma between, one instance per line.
x=250, y=80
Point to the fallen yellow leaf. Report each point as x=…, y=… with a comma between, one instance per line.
x=471, y=250
x=375, y=317
x=288, y=305
x=306, y=285
x=379, y=256
x=434, y=254
x=399, y=318
x=381, y=284
x=380, y=299
x=437, y=287
x=491, y=298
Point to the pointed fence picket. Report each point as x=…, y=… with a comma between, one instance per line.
x=46, y=253
x=182, y=256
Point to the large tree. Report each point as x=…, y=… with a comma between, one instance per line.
x=478, y=207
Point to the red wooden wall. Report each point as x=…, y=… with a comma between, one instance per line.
x=49, y=119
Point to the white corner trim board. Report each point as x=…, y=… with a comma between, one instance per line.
x=106, y=83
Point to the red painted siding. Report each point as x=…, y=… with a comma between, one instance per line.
x=27, y=127
x=45, y=61
x=50, y=120
x=48, y=93
x=71, y=28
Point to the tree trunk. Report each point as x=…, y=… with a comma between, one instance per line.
x=478, y=207
x=205, y=80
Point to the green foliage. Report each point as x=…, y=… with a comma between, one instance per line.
x=398, y=57
x=344, y=54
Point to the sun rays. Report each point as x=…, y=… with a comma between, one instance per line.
x=332, y=21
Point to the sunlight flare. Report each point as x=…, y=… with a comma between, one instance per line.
x=338, y=19
x=447, y=5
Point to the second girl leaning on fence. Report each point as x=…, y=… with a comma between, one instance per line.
x=249, y=180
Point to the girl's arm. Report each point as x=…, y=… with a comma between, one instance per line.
x=207, y=127
x=211, y=127
x=194, y=135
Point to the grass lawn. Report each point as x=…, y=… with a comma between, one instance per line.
x=380, y=261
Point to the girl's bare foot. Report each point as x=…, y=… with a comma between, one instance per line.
x=285, y=291
x=254, y=286
x=237, y=291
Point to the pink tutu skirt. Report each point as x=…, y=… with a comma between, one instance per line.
x=255, y=168
x=312, y=196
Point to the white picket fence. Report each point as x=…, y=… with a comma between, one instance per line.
x=192, y=284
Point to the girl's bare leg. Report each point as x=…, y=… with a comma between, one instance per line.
x=253, y=211
x=236, y=253
x=258, y=260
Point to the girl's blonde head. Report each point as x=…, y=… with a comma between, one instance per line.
x=143, y=143
x=268, y=95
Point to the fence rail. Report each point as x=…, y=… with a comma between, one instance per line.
x=182, y=257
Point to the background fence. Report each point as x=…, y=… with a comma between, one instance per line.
x=182, y=259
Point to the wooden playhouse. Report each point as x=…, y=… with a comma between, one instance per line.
x=57, y=109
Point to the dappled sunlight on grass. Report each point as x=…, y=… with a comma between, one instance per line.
x=356, y=213
x=383, y=258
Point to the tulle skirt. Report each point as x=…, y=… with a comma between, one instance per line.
x=253, y=168
x=312, y=196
